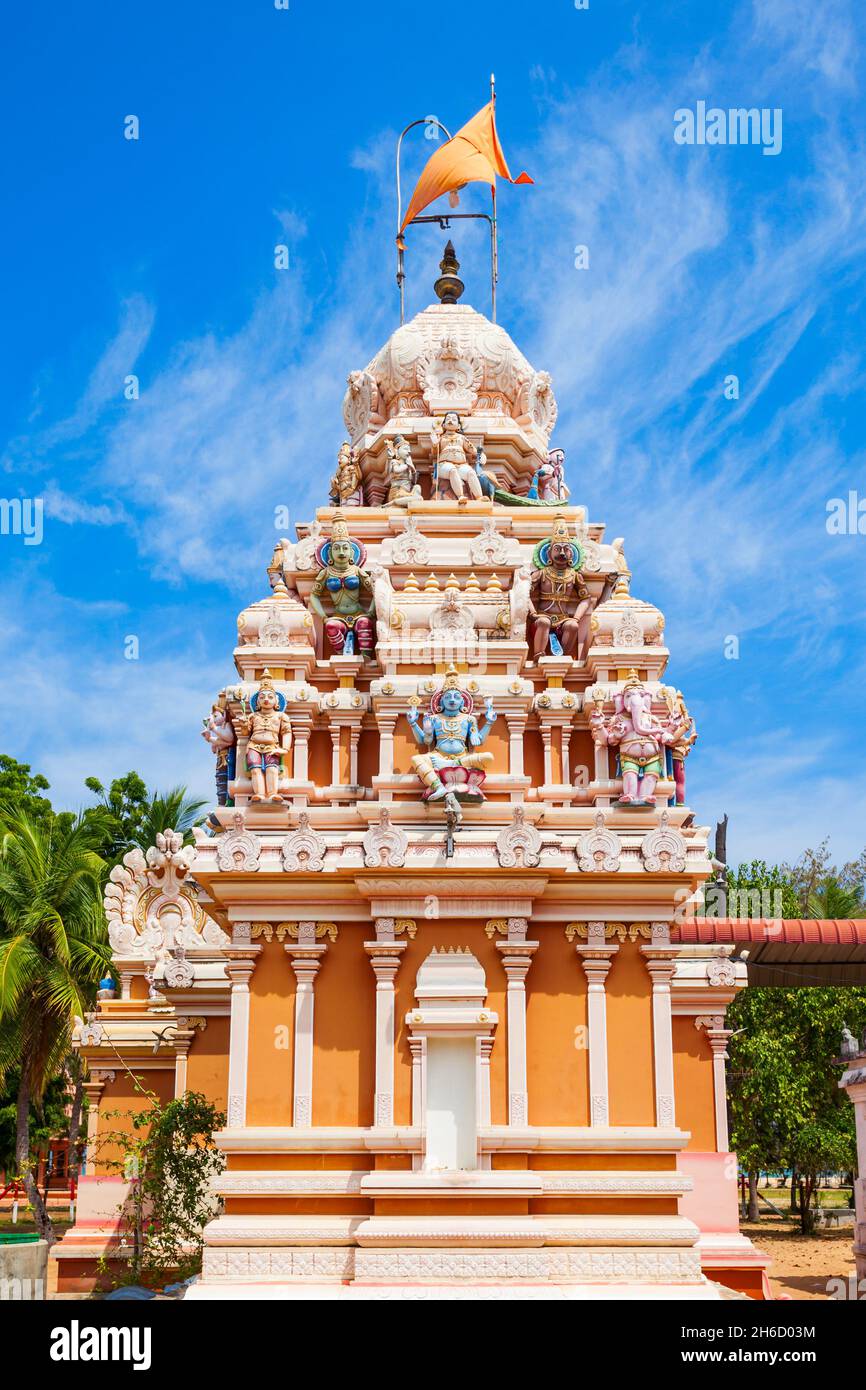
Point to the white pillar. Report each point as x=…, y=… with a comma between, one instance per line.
x=239, y=967
x=596, y=957
x=661, y=964
x=385, y=955
x=854, y=1082
x=306, y=957
x=516, y=730
x=517, y=955
x=717, y=1036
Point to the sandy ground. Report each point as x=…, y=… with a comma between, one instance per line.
x=803, y=1265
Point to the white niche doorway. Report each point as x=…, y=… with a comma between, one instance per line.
x=451, y=1037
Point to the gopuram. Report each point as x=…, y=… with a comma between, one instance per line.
x=426, y=951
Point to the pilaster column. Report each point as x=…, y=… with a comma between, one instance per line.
x=418, y=1050
x=596, y=956
x=854, y=1082
x=306, y=957
x=302, y=725
x=183, y=1036
x=336, y=779
x=386, y=722
x=93, y=1088
x=660, y=960
x=516, y=730
x=385, y=955
x=240, y=964
x=517, y=955
x=717, y=1036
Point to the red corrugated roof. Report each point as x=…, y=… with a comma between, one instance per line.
x=726, y=930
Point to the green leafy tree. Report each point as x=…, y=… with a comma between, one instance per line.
x=53, y=951
x=129, y=815
x=831, y=898
x=782, y=1081
x=167, y=1154
x=23, y=789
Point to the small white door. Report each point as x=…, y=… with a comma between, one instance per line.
x=451, y=1135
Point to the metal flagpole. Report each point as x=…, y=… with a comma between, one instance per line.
x=494, y=234
x=401, y=273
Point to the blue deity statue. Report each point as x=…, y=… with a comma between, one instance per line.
x=452, y=770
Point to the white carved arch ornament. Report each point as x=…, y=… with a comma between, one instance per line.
x=151, y=906
x=598, y=850
x=663, y=849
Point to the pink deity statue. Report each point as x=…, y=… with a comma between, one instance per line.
x=640, y=737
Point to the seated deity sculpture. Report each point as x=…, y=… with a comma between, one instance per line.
x=401, y=475
x=453, y=770
x=269, y=732
x=559, y=601
x=342, y=594
x=346, y=488
x=455, y=460
x=640, y=737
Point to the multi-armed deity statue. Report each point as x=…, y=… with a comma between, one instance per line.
x=342, y=594
x=453, y=770
x=559, y=599
x=640, y=737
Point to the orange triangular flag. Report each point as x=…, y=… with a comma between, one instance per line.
x=473, y=155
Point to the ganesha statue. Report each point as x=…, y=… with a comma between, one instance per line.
x=640, y=737
x=342, y=593
x=453, y=770
x=559, y=601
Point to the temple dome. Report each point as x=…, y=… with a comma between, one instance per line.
x=450, y=357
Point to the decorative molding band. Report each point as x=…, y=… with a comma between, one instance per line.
x=330, y=1263
x=535, y=1182
x=620, y=931
x=294, y=930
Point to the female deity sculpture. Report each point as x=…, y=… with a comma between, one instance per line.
x=640, y=737
x=452, y=771
x=342, y=593
x=346, y=488
x=455, y=458
x=401, y=474
x=559, y=601
x=269, y=731
x=683, y=746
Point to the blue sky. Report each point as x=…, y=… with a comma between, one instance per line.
x=260, y=126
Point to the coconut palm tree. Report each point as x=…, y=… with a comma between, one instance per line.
x=830, y=898
x=130, y=815
x=171, y=810
x=53, y=951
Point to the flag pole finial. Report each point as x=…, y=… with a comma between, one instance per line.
x=449, y=286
